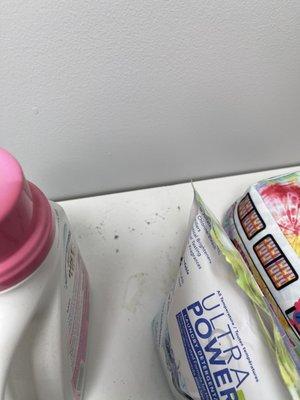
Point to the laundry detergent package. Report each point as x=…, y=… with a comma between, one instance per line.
x=264, y=225
x=215, y=334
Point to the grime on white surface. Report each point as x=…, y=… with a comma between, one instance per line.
x=132, y=243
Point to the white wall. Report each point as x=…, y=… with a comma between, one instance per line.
x=106, y=95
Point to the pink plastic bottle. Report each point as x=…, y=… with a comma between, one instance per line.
x=44, y=295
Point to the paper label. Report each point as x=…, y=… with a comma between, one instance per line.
x=75, y=303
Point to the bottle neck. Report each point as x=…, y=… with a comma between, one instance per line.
x=30, y=230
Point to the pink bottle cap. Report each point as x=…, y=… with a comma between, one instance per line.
x=26, y=224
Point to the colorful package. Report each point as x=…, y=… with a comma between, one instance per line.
x=264, y=225
x=216, y=335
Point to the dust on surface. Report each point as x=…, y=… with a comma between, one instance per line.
x=134, y=290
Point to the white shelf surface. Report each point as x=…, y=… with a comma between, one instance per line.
x=132, y=243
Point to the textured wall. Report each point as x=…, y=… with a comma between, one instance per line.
x=106, y=95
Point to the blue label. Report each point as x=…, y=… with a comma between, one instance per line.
x=212, y=348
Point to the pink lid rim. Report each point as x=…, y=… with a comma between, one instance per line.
x=32, y=253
